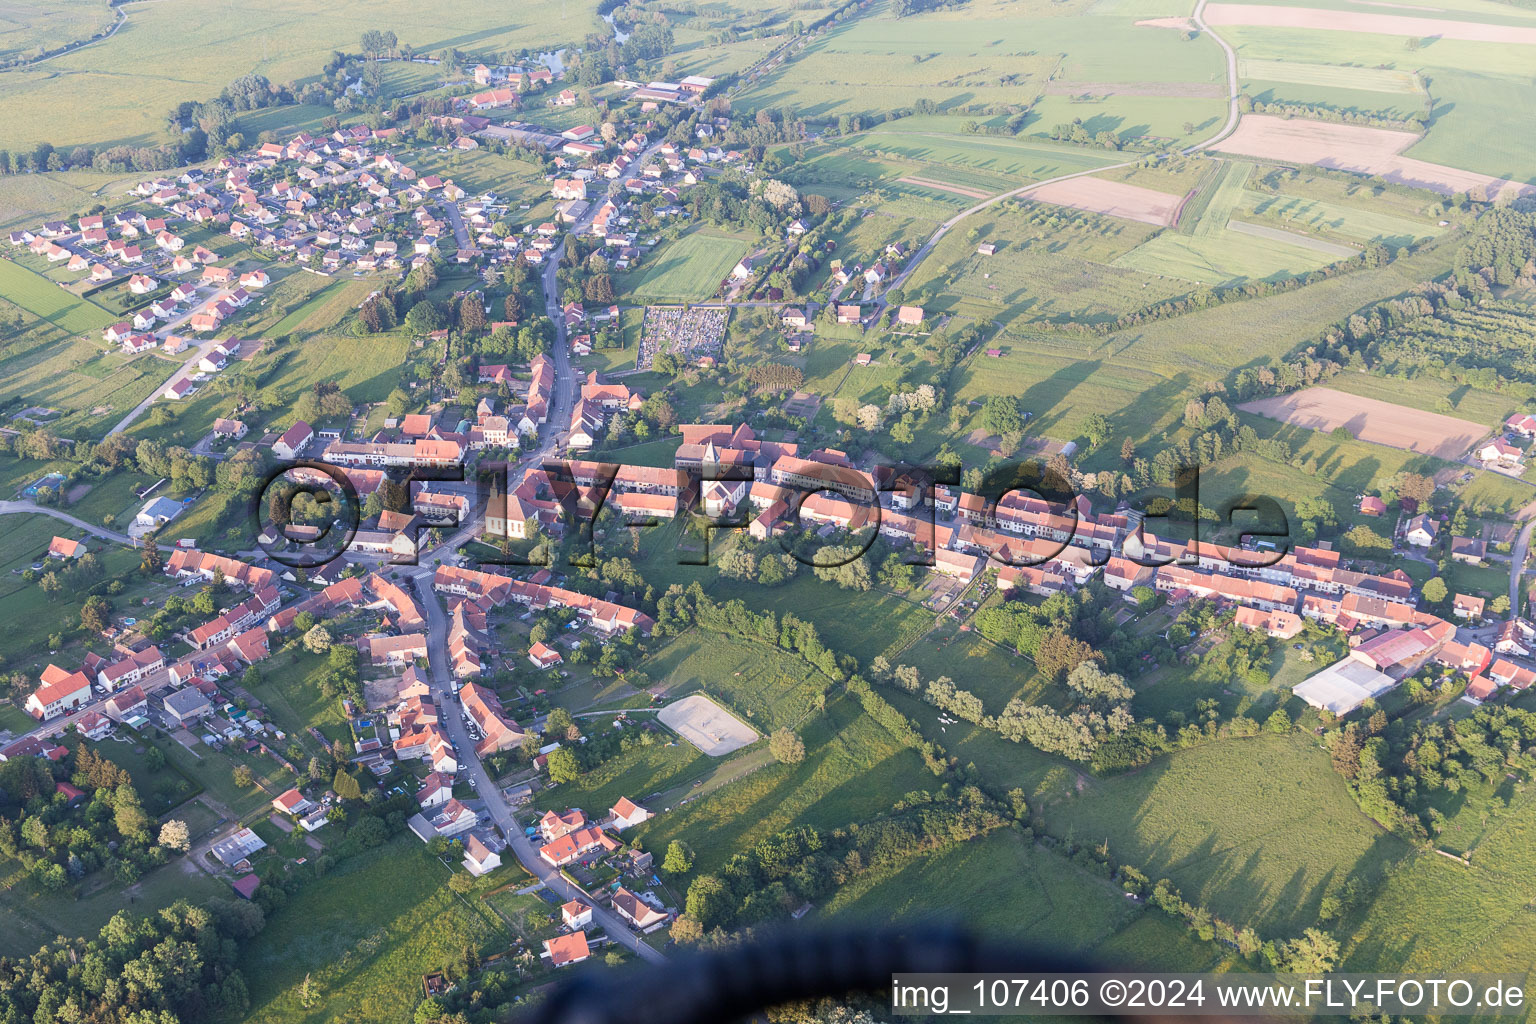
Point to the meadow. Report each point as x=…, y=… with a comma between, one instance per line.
x=47, y=301
x=1381, y=80
x=1011, y=892
x=767, y=687
x=986, y=53
x=689, y=269
x=33, y=917
x=364, y=936
x=940, y=151
x=1256, y=830
x=1051, y=266
x=1435, y=911
x=115, y=92
x=37, y=26
x=853, y=770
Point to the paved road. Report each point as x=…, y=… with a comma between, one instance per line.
x=1517, y=566
x=485, y=787
x=1232, y=94
x=460, y=229
x=29, y=508
x=186, y=368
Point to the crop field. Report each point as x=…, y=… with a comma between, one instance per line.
x=1359, y=149
x=853, y=769
x=1332, y=76
x=1112, y=199
x=114, y=91
x=1324, y=409
x=688, y=269
x=1256, y=830
x=36, y=26
x=46, y=300
x=831, y=78
x=1512, y=30
x=1480, y=123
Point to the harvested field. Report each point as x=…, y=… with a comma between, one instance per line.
x=1395, y=426
x=1362, y=150
x=708, y=726
x=1182, y=24
x=1265, y=16
x=942, y=186
x=1112, y=198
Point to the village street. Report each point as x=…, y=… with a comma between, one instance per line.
x=496, y=804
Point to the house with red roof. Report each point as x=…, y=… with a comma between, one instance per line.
x=564, y=950
x=544, y=656
x=626, y=814
x=573, y=846
x=63, y=547
x=292, y=802
x=60, y=693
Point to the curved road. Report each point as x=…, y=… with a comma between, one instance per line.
x=28, y=508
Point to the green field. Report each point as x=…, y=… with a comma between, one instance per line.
x=364, y=935
x=853, y=770
x=37, y=26
x=1314, y=215
x=1033, y=276
x=689, y=269
x=1018, y=161
x=1331, y=75
x=988, y=53
x=33, y=918
x=767, y=687
x=1480, y=121
x=1256, y=830
x=80, y=98
x=998, y=886
x=47, y=301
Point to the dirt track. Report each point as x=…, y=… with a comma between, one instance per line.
x=1396, y=426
